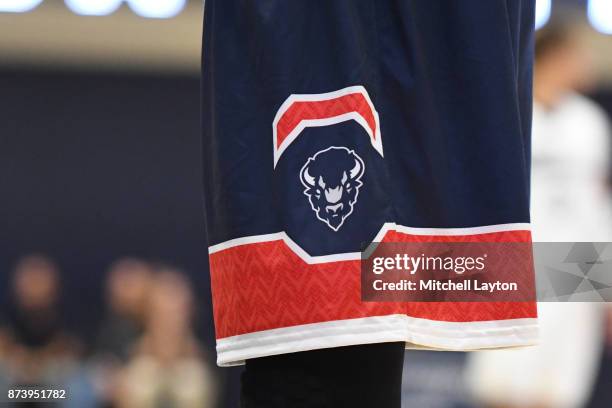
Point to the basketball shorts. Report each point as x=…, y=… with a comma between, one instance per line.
x=328, y=124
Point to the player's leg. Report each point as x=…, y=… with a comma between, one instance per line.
x=355, y=376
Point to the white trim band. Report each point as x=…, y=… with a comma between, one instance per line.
x=351, y=256
x=416, y=332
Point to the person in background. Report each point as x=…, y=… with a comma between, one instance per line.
x=570, y=202
x=570, y=145
x=38, y=349
x=167, y=368
x=127, y=290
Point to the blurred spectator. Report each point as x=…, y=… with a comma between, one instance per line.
x=127, y=289
x=570, y=144
x=167, y=369
x=569, y=202
x=37, y=348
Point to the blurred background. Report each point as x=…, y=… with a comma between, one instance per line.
x=103, y=271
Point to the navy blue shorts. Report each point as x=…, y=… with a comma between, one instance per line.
x=328, y=124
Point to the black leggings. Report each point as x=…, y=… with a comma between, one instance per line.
x=361, y=376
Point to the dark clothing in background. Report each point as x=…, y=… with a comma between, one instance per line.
x=117, y=336
x=34, y=328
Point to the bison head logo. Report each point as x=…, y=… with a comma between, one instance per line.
x=332, y=178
